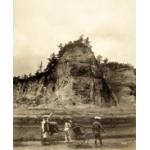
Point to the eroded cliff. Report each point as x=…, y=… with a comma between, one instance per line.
x=74, y=79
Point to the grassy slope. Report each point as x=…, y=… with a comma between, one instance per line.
x=76, y=111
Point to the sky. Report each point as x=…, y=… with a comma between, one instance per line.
x=40, y=25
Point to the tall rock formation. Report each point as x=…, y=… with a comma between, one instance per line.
x=74, y=80
x=78, y=80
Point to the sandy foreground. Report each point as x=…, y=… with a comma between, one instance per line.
x=109, y=144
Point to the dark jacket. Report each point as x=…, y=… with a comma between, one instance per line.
x=97, y=127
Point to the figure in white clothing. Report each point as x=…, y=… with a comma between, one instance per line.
x=67, y=130
x=45, y=126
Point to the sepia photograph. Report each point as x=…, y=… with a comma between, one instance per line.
x=74, y=74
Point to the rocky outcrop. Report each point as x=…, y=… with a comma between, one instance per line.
x=123, y=83
x=78, y=80
x=75, y=80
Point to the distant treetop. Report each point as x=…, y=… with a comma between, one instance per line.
x=81, y=41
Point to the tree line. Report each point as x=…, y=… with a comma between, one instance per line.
x=49, y=70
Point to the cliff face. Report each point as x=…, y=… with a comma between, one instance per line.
x=75, y=80
x=78, y=80
x=122, y=81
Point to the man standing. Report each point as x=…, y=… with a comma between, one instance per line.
x=97, y=129
x=67, y=130
x=45, y=126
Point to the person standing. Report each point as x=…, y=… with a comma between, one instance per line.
x=97, y=129
x=45, y=126
x=67, y=130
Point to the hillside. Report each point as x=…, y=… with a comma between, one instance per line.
x=121, y=79
x=74, y=77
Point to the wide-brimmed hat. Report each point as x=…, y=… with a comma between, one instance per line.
x=97, y=117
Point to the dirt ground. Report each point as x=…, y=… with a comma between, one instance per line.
x=109, y=144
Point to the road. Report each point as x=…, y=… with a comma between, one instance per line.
x=109, y=144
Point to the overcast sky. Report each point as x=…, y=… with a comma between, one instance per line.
x=40, y=25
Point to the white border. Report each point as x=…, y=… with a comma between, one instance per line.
x=6, y=74
x=143, y=74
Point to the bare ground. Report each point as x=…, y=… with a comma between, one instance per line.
x=109, y=144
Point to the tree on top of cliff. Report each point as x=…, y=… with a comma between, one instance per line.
x=87, y=42
x=40, y=68
x=105, y=60
x=52, y=63
x=99, y=59
x=80, y=42
x=116, y=65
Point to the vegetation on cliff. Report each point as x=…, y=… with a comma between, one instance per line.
x=109, y=81
x=52, y=62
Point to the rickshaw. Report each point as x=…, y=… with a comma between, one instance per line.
x=80, y=134
x=48, y=128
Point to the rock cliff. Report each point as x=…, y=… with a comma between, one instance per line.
x=75, y=79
